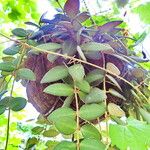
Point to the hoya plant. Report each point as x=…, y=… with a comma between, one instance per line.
x=85, y=81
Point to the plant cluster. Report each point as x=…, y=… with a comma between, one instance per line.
x=77, y=77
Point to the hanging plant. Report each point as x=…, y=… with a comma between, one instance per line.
x=76, y=77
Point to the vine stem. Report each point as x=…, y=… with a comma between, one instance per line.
x=78, y=60
x=8, y=122
x=77, y=113
x=11, y=94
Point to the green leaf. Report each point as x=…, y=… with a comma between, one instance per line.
x=117, y=94
x=2, y=109
x=7, y=66
x=37, y=130
x=145, y=115
x=68, y=101
x=143, y=12
x=135, y=135
x=95, y=96
x=77, y=72
x=89, y=131
x=49, y=46
x=8, y=59
x=61, y=113
x=112, y=68
x=91, y=144
x=31, y=142
x=55, y=74
x=59, y=89
x=112, y=79
x=115, y=110
x=65, y=145
x=95, y=75
x=51, y=144
x=92, y=111
x=17, y=104
x=25, y=73
x=66, y=125
x=83, y=86
x=50, y=133
x=19, y=32
x=12, y=50
x=94, y=46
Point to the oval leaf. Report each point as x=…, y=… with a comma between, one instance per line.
x=59, y=89
x=77, y=72
x=66, y=125
x=68, y=101
x=95, y=75
x=117, y=94
x=83, y=86
x=91, y=144
x=2, y=109
x=55, y=74
x=12, y=50
x=19, y=32
x=115, y=110
x=25, y=73
x=94, y=46
x=111, y=67
x=50, y=133
x=7, y=66
x=37, y=130
x=61, y=113
x=89, y=131
x=17, y=104
x=95, y=96
x=65, y=145
x=92, y=111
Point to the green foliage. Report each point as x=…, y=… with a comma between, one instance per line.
x=143, y=11
x=134, y=135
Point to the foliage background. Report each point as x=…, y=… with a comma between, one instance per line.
x=13, y=13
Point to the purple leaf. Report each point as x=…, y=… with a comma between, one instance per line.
x=83, y=16
x=72, y=8
x=109, y=26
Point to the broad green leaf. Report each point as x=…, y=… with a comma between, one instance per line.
x=51, y=144
x=19, y=32
x=59, y=89
x=31, y=142
x=95, y=75
x=17, y=104
x=112, y=79
x=65, y=145
x=82, y=95
x=50, y=133
x=91, y=144
x=2, y=109
x=7, y=66
x=143, y=12
x=117, y=94
x=66, y=125
x=89, y=131
x=94, y=46
x=25, y=73
x=134, y=136
x=95, y=96
x=115, y=110
x=145, y=115
x=8, y=59
x=12, y=50
x=77, y=72
x=63, y=112
x=49, y=46
x=52, y=57
x=112, y=68
x=37, y=130
x=92, y=111
x=68, y=101
x=55, y=74
x=83, y=86
x=5, y=101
